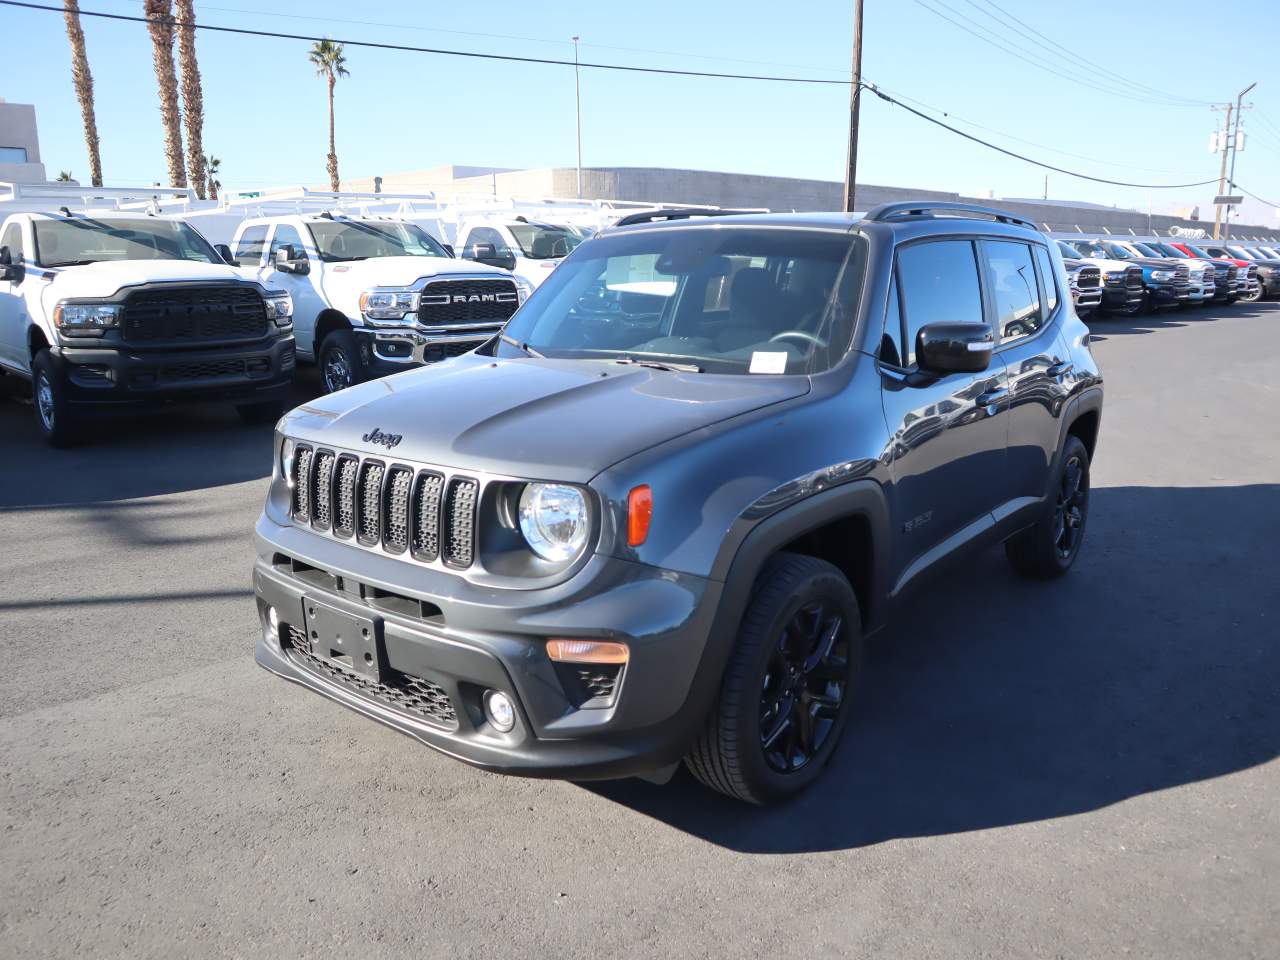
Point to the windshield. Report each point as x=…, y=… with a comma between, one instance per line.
x=1147, y=250
x=1068, y=251
x=540, y=241
x=1175, y=252
x=1197, y=253
x=1092, y=248
x=342, y=240
x=1119, y=252
x=65, y=243
x=1242, y=253
x=724, y=300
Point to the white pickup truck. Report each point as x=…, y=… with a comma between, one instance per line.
x=530, y=249
x=108, y=311
x=374, y=295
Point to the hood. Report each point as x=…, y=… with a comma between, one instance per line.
x=105, y=279
x=401, y=271
x=1107, y=265
x=1164, y=263
x=538, y=419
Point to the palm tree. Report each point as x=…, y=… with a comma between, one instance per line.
x=211, y=165
x=65, y=177
x=160, y=24
x=83, y=80
x=330, y=64
x=192, y=95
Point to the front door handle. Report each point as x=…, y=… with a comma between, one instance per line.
x=1061, y=368
x=993, y=396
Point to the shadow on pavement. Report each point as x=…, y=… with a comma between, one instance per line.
x=164, y=450
x=995, y=701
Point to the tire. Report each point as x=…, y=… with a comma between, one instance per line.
x=759, y=691
x=340, y=361
x=1049, y=548
x=1252, y=297
x=59, y=424
x=255, y=414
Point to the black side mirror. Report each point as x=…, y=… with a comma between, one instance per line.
x=287, y=260
x=8, y=269
x=448, y=248
x=480, y=251
x=225, y=253
x=954, y=347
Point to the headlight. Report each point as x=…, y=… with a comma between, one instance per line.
x=279, y=308
x=554, y=520
x=1114, y=276
x=1162, y=274
x=85, y=319
x=388, y=304
x=1072, y=280
x=523, y=289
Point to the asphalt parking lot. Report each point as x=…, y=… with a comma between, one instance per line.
x=1083, y=768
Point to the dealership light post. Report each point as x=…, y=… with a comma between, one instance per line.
x=577, y=100
x=855, y=91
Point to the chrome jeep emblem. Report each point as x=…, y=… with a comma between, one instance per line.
x=387, y=440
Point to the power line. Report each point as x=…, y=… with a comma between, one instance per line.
x=1039, y=163
x=1048, y=68
x=1190, y=101
x=511, y=58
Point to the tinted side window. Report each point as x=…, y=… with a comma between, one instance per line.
x=1013, y=289
x=939, y=285
x=286, y=234
x=249, y=246
x=13, y=240
x=1048, y=280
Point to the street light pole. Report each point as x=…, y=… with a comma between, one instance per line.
x=1235, y=140
x=577, y=99
x=855, y=98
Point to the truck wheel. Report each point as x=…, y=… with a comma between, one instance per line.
x=268, y=411
x=1048, y=549
x=340, y=363
x=1252, y=296
x=786, y=691
x=58, y=423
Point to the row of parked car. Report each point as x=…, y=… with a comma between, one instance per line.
x=1129, y=275
x=108, y=310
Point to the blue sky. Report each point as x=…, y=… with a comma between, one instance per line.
x=266, y=120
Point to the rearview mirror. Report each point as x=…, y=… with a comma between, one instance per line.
x=954, y=347
x=225, y=253
x=288, y=260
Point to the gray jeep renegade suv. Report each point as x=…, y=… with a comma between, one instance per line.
x=658, y=517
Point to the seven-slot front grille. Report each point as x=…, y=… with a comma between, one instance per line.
x=183, y=315
x=467, y=302
x=430, y=515
x=403, y=690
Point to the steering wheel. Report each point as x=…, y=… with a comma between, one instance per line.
x=800, y=335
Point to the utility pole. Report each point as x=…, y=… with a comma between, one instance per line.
x=1222, y=178
x=1235, y=143
x=855, y=99
x=577, y=99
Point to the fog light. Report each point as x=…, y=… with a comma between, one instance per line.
x=499, y=709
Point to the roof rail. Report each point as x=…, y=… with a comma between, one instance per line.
x=678, y=213
x=928, y=208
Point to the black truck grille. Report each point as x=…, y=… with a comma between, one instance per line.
x=214, y=370
x=1088, y=278
x=451, y=302
x=1133, y=279
x=184, y=315
x=431, y=516
x=404, y=691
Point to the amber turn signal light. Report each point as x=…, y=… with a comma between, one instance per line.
x=587, y=651
x=639, y=513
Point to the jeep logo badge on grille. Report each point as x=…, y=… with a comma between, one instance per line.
x=387, y=440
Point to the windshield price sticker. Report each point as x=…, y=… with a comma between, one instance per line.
x=765, y=362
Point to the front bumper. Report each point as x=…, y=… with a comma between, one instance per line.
x=1169, y=294
x=461, y=639
x=393, y=350
x=122, y=376
x=1121, y=297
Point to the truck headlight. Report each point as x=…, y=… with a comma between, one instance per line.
x=279, y=308
x=388, y=304
x=1162, y=274
x=85, y=319
x=1114, y=276
x=554, y=520
x=523, y=289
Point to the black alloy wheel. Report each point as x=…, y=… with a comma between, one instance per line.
x=1049, y=548
x=803, y=687
x=1068, y=522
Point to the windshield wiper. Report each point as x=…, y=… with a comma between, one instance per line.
x=73, y=263
x=523, y=347
x=661, y=365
